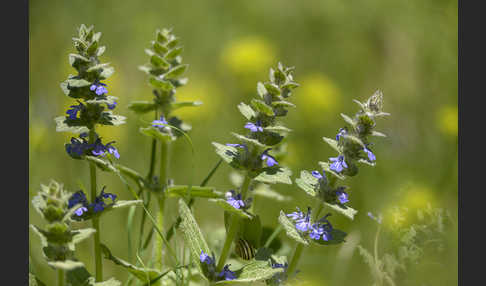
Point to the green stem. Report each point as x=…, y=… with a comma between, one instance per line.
x=60, y=277
x=233, y=229
x=274, y=234
x=164, y=162
x=375, y=252
x=95, y=220
x=295, y=259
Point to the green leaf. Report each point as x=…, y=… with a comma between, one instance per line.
x=192, y=234
x=78, y=277
x=229, y=208
x=333, y=143
x=34, y=281
x=378, y=134
x=247, y=111
x=100, y=51
x=66, y=264
x=159, y=62
x=98, y=67
x=342, y=209
x=307, y=182
x=159, y=49
x=106, y=100
x=275, y=175
x=107, y=72
x=354, y=139
x=134, y=175
x=283, y=103
x=101, y=164
x=261, y=89
x=248, y=140
x=263, y=190
x=290, y=229
x=73, y=82
x=172, y=54
x=82, y=234
x=262, y=107
x=75, y=59
x=110, y=282
x=277, y=128
x=123, y=204
x=337, y=238
x=254, y=271
x=143, y=274
x=142, y=106
x=290, y=85
x=42, y=237
x=196, y=191
x=366, y=162
x=348, y=119
x=272, y=88
x=175, y=72
x=325, y=166
x=227, y=153
x=182, y=104
x=155, y=133
x=161, y=83
x=114, y=119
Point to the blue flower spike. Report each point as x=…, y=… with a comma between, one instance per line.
x=98, y=88
x=234, y=199
x=338, y=164
x=205, y=258
x=98, y=148
x=342, y=196
x=270, y=160
x=112, y=150
x=73, y=112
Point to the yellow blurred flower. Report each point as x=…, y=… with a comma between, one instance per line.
x=415, y=197
x=202, y=90
x=317, y=96
x=249, y=55
x=447, y=120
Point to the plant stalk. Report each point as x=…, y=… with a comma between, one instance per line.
x=164, y=162
x=95, y=220
x=60, y=277
x=233, y=229
x=295, y=258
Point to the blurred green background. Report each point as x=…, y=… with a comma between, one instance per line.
x=342, y=50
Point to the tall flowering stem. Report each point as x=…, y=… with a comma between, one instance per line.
x=94, y=107
x=353, y=147
x=164, y=70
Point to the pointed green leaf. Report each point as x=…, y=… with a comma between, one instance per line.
x=366, y=162
x=98, y=67
x=175, y=72
x=290, y=229
x=247, y=140
x=277, y=128
x=227, y=153
x=261, y=90
x=82, y=234
x=159, y=49
x=262, y=107
x=378, y=134
x=182, y=104
x=229, y=208
x=192, y=234
x=159, y=62
x=155, y=133
x=283, y=103
x=247, y=111
x=107, y=72
x=333, y=143
x=100, y=51
x=196, y=191
x=275, y=175
x=73, y=82
x=172, y=54
x=101, y=164
x=272, y=88
x=354, y=139
x=122, y=204
x=161, y=83
x=143, y=274
x=308, y=183
x=142, y=106
x=61, y=126
x=344, y=210
x=348, y=119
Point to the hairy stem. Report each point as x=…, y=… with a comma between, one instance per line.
x=164, y=162
x=375, y=252
x=295, y=258
x=95, y=220
x=60, y=277
x=234, y=225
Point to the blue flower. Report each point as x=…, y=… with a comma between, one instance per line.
x=205, y=258
x=99, y=88
x=77, y=148
x=339, y=163
x=254, y=127
x=269, y=159
x=112, y=150
x=323, y=228
x=160, y=123
x=370, y=154
x=342, y=196
x=112, y=106
x=107, y=195
x=302, y=222
x=342, y=131
x=316, y=231
x=98, y=205
x=378, y=219
x=234, y=199
x=318, y=175
x=226, y=273
x=279, y=265
x=98, y=148
x=80, y=211
x=83, y=135
x=296, y=215
x=73, y=112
